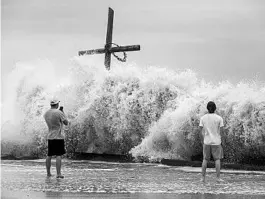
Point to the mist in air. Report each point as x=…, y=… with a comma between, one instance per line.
x=147, y=111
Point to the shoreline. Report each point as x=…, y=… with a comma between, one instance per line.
x=129, y=159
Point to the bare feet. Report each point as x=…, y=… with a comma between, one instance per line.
x=220, y=180
x=60, y=176
x=203, y=179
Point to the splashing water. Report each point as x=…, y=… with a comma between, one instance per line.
x=149, y=112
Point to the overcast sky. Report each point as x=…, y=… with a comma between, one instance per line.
x=220, y=40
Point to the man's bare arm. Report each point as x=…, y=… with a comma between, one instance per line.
x=201, y=134
x=222, y=133
x=63, y=118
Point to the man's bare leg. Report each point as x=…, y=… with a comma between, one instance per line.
x=58, y=166
x=48, y=165
x=218, y=168
x=204, y=166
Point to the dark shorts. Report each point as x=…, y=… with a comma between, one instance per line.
x=56, y=147
x=215, y=150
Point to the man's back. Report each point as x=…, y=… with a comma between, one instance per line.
x=54, y=119
x=211, y=124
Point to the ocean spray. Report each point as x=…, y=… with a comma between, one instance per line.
x=149, y=112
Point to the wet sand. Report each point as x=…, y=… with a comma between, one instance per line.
x=7, y=194
x=87, y=179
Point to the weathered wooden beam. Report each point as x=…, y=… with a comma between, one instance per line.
x=109, y=38
x=111, y=50
x=124, y=48
x=91, y=52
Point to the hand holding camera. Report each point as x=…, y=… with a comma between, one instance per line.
x=61, y=108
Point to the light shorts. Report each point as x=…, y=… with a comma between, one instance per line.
x=215, y=150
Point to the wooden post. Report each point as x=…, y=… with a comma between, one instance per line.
x=109, y=39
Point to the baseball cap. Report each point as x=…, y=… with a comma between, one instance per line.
x=54, y=102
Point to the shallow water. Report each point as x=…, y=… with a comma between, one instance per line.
x=137, y=180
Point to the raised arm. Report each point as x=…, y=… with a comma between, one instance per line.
x=63, y=118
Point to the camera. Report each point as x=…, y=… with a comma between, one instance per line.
x=61, y=108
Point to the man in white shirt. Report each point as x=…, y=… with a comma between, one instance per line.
x=211, y=126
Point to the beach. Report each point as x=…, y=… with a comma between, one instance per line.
x=97, y=179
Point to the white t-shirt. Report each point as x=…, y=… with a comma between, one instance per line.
x=211, y=124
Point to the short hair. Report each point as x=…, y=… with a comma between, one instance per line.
x=211, y=107
x=54, y=105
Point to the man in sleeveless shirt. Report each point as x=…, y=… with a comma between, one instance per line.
x=211, y=126
x=55, y=119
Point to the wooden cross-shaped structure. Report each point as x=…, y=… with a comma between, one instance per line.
x=108, y=49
